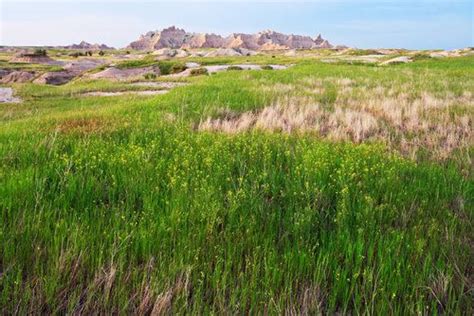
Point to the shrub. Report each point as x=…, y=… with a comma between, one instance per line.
x=363, y=52
x=267, y=67
x=198, y=72
x=170, y=67
x=420, y=56
x=137, y=63
x=177, y=68
x=101, y=53
x=76, y=54
x=234, y=68
x=40, y=52
x=150, y=76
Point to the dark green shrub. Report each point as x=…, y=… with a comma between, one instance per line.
x=150, y=76
x=420, y=56
x=40, y=52
x=198, y=72
x=234, y=68
x=177, y=68
x=363, y=52
x=101, y=53
x=267, y=67
x=76, y=54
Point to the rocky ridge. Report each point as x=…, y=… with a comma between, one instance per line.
x=173, y=37
x=88, y=46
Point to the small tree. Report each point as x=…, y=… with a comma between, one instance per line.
x=76, y=54
x=40, y=52
x=101, y=53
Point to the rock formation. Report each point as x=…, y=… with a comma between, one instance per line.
x=177, y=38
x=17, y=77
x=171, y=37
x=55, y=77
x=88, y=46
x=199, y=40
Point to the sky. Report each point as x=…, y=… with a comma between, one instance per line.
x=412, y=24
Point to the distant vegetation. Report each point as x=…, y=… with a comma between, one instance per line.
x=150, y=76
x=199, y=71
x=166, y=66
x=363, y=52
x=40, y=52
x=234, y=68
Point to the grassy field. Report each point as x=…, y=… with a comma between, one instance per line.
x=323, y=188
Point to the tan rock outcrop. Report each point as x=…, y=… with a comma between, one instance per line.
x=173, y=37
x=17, y=77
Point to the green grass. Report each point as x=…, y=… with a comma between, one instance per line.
x=4, y=64
x=119, y=205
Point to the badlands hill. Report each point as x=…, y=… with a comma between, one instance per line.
x=89, y=46
x=173, y=37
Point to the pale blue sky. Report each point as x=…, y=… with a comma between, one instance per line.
x=415, y=24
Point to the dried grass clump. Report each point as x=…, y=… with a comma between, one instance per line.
x=400, y=119
x=309, y=300
x=82, y=125
x=342, y=124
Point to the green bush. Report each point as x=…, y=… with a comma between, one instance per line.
x=363, y=52
x=76, y=54
x=267, y=67
x=177, y=68
x=150, y=76
x=40, y=52
x=420, y=56
x=234, y=68
x=199, y=72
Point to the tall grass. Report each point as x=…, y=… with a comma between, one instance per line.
x=117, y=205
x=249, y=223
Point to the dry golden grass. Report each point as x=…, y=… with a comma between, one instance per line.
x=82, y=126
x=382, y=114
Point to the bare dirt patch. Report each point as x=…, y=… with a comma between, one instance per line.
x=113, y=73
x=56, y=77
x=6, y=96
